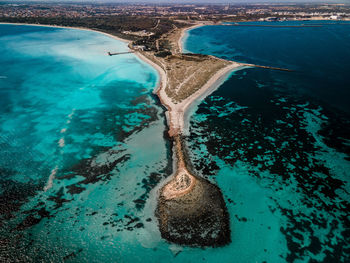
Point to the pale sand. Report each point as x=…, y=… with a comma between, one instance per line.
x=185, y=30
x=212, y=84
x=176, y=187
x=176, y=112
x=70, y=27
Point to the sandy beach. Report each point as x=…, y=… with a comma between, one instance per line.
x=184, y=32
x=176, y=112
x=79, y=28
x=213, y=84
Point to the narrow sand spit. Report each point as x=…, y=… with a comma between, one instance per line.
x=191, y=211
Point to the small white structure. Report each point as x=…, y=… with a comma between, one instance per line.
x=333, y=17
x=139, y=47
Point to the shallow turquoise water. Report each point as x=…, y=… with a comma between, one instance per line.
x=82, y=146
x=277, y=143
x=90, y=121
x=83, y=152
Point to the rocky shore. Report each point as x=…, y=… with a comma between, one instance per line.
x=191, y=210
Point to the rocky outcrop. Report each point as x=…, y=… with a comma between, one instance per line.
x=191, y=210
x=197, y=217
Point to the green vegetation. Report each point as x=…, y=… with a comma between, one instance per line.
x=163, y=54
x=114, y=25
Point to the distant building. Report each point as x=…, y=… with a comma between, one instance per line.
x=139, y=47
x=271, y=19
x=334, y=17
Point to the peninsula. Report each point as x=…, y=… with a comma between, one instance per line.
x=191, y=210
x=100, y=171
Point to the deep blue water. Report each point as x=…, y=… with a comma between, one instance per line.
x=278, y=143
x=83, y=150
x=319, y=55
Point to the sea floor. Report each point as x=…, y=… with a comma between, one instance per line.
x=287, y=190
x=82, y=146
x=84, y=151
x=277, y=143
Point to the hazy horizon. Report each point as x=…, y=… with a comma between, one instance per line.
x=187, y=1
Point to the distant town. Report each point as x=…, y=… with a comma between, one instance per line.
x=148, y=25
x=215, y=12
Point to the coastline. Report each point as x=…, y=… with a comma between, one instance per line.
x=162, y=74
x=180, y=109
x=185, y=31
x=184, y=195
x=69, y=27
x=212, y=84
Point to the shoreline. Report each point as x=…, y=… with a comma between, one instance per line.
x=162, y=75
x=209, y=87
x=184, y=32
x=182, y=186
x=162, y=82
x=69, y=27
x=214, y=85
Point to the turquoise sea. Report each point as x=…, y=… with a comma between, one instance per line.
x=278, y=143
x=83, y=146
